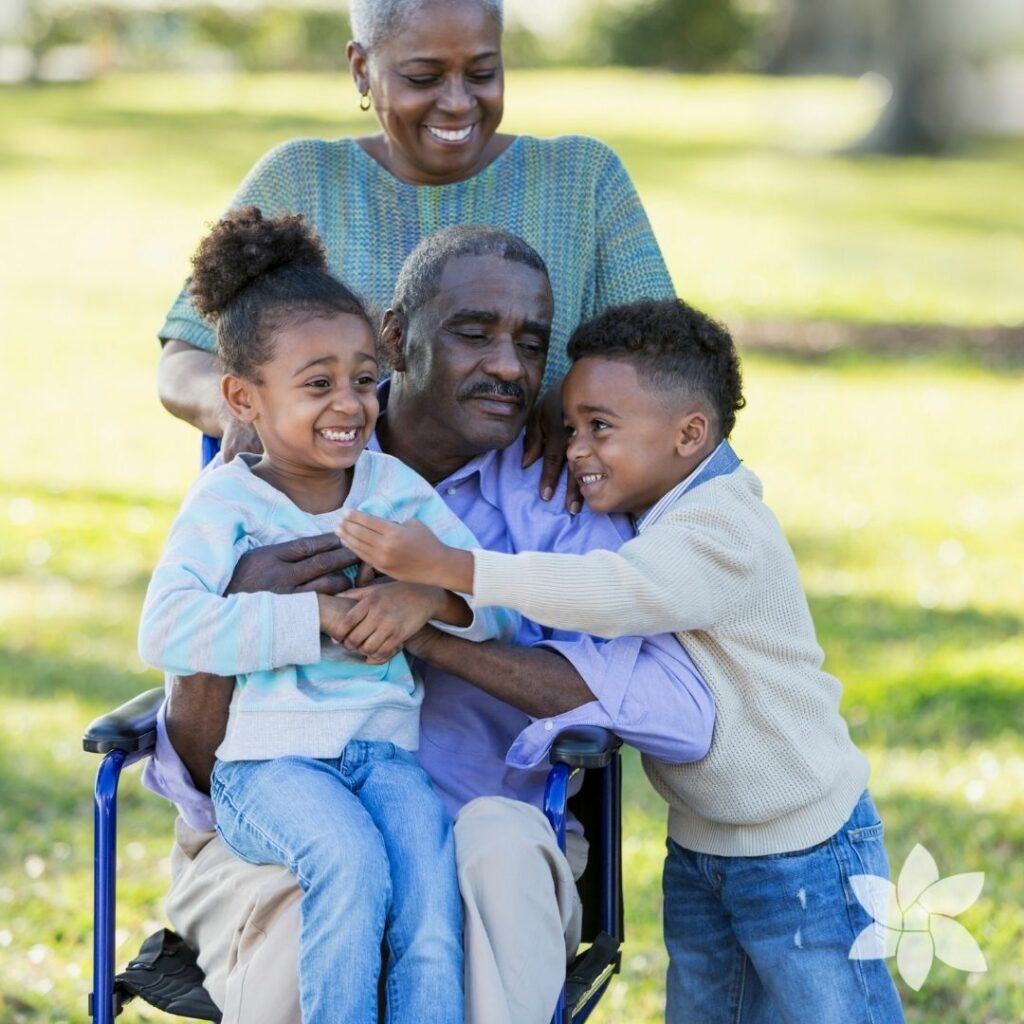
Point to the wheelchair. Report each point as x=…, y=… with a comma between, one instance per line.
x=165, y=973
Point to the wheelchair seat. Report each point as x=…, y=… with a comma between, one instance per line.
x=165, y=972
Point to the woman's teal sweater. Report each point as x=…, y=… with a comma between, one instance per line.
x=569, y=197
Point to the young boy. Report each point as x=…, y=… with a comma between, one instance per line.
x=766, y=831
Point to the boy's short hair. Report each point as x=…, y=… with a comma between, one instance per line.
x=676, y=350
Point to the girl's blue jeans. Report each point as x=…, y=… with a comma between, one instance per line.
x=765, y=940
x=372, y=849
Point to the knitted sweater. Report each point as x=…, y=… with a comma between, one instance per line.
x=569, y=197
x=714, y=568
x=296, y=692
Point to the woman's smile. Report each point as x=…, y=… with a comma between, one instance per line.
x=450, y=136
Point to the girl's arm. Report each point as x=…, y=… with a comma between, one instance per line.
x=187, y=626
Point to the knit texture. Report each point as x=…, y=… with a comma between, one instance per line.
x=715, y=569
x=296, y=692
x=569, y=197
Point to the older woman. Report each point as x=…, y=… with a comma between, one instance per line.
x=431, y=70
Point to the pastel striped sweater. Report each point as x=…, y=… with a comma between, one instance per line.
x=714, y=568
x=569, y=197
x=297, y=692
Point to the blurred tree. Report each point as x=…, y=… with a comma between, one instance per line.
x=681, y=35
x=925, y=57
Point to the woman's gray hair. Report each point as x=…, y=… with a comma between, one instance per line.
x=373, y=20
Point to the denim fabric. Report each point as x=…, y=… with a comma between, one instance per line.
x=761, y=940
x=372, y=849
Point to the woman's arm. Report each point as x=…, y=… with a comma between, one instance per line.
x=628, y=261
x=188, y=383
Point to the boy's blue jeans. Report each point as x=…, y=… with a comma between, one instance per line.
x=763, y=940
x=372, y=849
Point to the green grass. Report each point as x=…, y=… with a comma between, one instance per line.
x=899, y=481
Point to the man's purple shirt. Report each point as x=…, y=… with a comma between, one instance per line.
x=647, y=689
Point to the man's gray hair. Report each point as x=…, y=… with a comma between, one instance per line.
x=420, y=276
x=373, y=20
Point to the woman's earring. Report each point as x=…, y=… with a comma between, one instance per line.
x=364, y=102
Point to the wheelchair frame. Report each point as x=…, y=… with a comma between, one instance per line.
x=128, y=734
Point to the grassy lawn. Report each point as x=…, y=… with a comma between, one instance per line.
x=900, y=482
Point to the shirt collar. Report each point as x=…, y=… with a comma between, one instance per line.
x=479, y=464
x=721, y=461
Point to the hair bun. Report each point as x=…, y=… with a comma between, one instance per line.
x=242, y=247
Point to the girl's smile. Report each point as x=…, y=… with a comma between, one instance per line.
x=314, y=408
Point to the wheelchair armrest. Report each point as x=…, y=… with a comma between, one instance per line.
x=131, y=727
x=585, y=746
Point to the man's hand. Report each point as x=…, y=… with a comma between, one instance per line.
x=406, y=551
x=382, y=617
x=545, y=436
x=310, y=563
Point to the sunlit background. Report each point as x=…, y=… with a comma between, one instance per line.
x=842, y=183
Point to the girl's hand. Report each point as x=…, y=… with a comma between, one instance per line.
x=332, y=613
x=406, y=551
x=545, y=436
x=384, y=616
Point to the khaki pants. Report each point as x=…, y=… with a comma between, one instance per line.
x=522, y=918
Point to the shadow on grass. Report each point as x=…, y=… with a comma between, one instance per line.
x=907, y=691
x=844, y=345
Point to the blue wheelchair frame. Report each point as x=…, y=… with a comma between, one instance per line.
x=128, y=734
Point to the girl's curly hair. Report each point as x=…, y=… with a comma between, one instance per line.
x=254, y=275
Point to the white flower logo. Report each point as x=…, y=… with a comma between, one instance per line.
x=913, y=920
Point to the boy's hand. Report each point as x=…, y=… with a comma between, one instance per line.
x=382, y=617
x=406, y=551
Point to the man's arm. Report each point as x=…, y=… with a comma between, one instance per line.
x=196, y=716
x=538, y=681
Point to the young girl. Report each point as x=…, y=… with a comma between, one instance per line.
x=315, y=771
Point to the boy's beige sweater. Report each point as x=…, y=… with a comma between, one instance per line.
x=782, y=773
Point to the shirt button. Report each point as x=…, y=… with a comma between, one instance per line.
x=451, y=490
x=548, y=726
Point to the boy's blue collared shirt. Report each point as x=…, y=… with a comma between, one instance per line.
x=721, y=461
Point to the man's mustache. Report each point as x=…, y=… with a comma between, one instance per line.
x=502, y=389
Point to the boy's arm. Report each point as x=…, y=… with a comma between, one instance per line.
x=682, y=574
x=188, y=627
x=456, y=540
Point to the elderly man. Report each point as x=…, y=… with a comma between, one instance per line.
x=467, y=341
